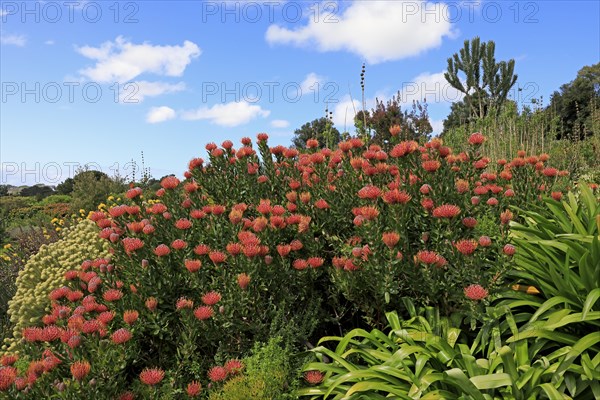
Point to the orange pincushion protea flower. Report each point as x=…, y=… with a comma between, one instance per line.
x=446, y=211
x=152, y=376
x=80, y=369
x=475, y=292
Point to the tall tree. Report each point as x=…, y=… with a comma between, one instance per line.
x=485, y=82
x=576, y=104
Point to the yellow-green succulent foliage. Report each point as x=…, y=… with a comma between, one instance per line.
x=45, y=271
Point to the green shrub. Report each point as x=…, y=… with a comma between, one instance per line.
x=45, y=270
x=268, y=375
x=56, y=198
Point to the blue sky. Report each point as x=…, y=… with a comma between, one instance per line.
x=98, y=82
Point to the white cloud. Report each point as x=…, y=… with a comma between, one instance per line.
x=230, y=114
x=14, y=40
x=312, y=83
x=3, y=12
x=432, y=87
x=437, y=125
x=280, y=123
x=122, y=61
x=160, y=114
x=375, y=30
x=49, y=42
x=136, y=92
x=344, y=112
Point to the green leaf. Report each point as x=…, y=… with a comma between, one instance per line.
x=492, y=381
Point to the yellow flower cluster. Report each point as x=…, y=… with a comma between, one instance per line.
x=44, y=272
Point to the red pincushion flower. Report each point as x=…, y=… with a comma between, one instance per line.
x=193, y=389
x=425, y=189
x=550, y=172
x=284, y=249
x=479, y=190
x=184, y=302
x=296, y=245
x=8, y=375
x=50, y=333
x=152, y=376
x=211, y=298
x=446, y=211
x=313, y=377
x=234, y=367
x=492, y=201
x=132, y=244
x=9, y=359
x=106, y=317
x=234, y=248
x=369, y=192
x=390, y=239
x=178, y=244
x=183, y=223
x=431, y=165
x=130, y=316
x=201, y=249
x=462, y=186
x=509, y=250
x=506, y=216
x=193, y=265
x=428, y=257
x=203, y=312
x=466, y=246
x=243, y=280
x=121, y=336
x=476, y=139
x=151, y=303
x=112, y=295
x=217, y=374
x=556, y=195
x=475, y=292
x=170, y=182
x=80, y=369
x=315, y=262
x=300, y=264
x=321, y=204
x=485, y=241
x=217, y=257
x=162, y=250
x=396, y=196
x=262, y=137
x=469, y=222
x=91, y=326
x=133, y=193
x=312, y=143
x=427, y=203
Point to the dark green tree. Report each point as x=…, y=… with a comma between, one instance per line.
x=37, y=191
x=321, y=129
x=65, y=187
x=91, y=188
x=3, y=190
x=575, y=104
x=485, y=83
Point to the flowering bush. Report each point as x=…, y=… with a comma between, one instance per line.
x=276, y=243
x=44, y=271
